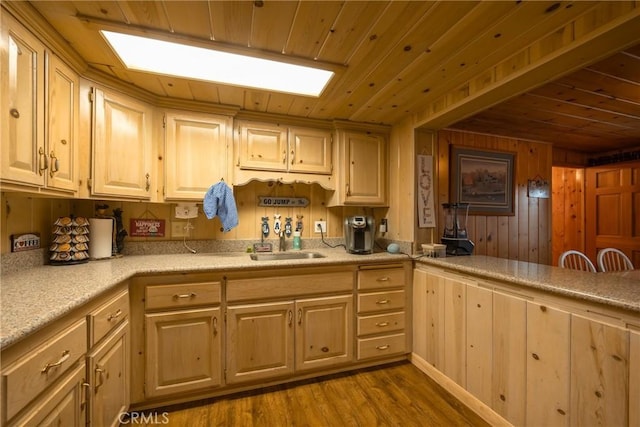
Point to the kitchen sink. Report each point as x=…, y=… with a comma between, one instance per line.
x=285, y=256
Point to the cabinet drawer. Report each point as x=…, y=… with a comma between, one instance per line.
x=380, y=301
x=381, y=278
x=108, y=316
x=32, y=374
x=381, y=346
x=381, y=323
x=182, y=295
x=288, y=286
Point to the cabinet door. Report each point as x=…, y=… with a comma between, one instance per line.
x=121, y=151
x=195, y=154
x=634, y=378
x=183, y=351
x=324, y=332
x=262, y=146
x=435, y=321
x=63, y=405
x=479, y=341
x=62, y=111
x=455, y=331
x=366, y=172
x=259, y=341
x=509, y=357
x=310, y=150
x=23, y=152
x=548, y=371
x=108, y=366
x=599, y=373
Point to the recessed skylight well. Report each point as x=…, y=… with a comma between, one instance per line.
x=181, y=60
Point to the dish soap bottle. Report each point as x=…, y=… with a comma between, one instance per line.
x=296, y=241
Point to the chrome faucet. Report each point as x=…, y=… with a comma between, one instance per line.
x=283, y=243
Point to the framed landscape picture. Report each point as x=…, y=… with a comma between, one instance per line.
x=484, y=179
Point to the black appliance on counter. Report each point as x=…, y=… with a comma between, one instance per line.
x=455, y=229
x=359, y=232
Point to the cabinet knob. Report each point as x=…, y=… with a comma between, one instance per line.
x=14, y=113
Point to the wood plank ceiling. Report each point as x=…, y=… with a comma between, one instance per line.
x=395, y=57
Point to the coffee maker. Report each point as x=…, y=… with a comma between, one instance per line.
x=359, y=234
x=455, y=229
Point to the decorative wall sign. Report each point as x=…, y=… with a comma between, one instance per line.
x=484, y=179
x=538, y=188
x=426, y=213
x=144, y=227
x=25, y=242
x=294, y=202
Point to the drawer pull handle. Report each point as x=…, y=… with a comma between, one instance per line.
x=114, y=315
x=382, y=324
x=383, y=301
x=382, y=279
x=382, y=347
x=183, y=296
x=63, y=358
x=99, y=373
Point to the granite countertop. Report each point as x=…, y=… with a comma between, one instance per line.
x=30, y=299
x=33, y=298
x=621, y=289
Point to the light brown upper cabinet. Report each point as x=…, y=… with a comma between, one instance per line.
x=361, y=168
x=121, y=152
x=40, y=102
x=195, y=154
x=272, y=151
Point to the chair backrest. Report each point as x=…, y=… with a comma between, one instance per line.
x=611, y=259
x=576, y=260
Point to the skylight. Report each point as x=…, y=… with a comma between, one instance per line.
x=180, y=60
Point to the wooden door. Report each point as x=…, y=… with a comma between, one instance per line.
x=366, y=169
x=455, y=331
x=613, y=209
x=183, y=351
x=509, y=357
x=260, y=341
x=310, y=150
x=195, y=154
x=634, y=377
x=108, y=366
x=62, y=113
x=419, y=313
x=324, y=332
x=435, y=332
x=262, y=146
x=548, y=369
x=23, y=158
x=479, y=342
x=121, y=146
x=599, y=373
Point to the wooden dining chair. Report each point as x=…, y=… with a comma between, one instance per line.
x=576, y=260
x=612, y=259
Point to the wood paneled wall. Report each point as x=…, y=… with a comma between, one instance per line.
x=22, y=213
x=567, y=208
x=526, y=235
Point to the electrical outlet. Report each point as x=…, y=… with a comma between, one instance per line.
x=186, y=211
x=319, y=226
x=178, y=229
x=383, y=225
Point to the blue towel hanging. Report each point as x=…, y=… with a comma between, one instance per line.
x=219, y=202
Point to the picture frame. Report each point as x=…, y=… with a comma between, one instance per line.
x=484, y=179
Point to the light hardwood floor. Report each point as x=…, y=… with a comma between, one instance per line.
x=394, y=395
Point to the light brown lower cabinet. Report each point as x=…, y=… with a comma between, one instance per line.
x=268, y=340
x=534, y=359
x=108, y=366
